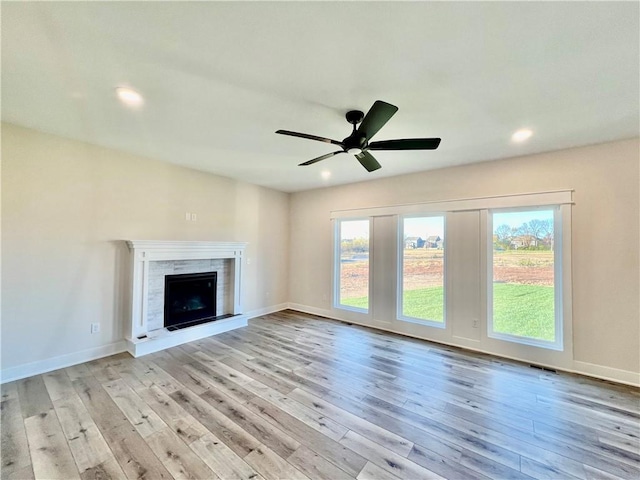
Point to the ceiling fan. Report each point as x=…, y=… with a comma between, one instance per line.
x=358, y=142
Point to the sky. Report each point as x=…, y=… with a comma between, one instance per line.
x=354, y=229
x=423, y=227
x=413, y=227
x=516, y=219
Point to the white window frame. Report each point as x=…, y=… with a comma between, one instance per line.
x=400, y=263
x=337, y=241
x=558, y=243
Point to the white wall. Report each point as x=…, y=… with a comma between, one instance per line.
x=66, y=209
x=605, y=246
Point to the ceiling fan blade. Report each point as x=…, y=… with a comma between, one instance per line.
x=376, y=117
x=368, y=161
x=319, y=159
x=310, y=137
x=406, y=144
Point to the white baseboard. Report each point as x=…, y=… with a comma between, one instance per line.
x=582, y=368
x=43, y=366
x=607, y=373
x=312, y=310
x=267, y=310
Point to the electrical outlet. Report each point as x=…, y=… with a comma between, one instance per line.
x=187, y=216
x=95, y=328
x=475, y=323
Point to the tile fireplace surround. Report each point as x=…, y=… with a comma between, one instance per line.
x=144, y=332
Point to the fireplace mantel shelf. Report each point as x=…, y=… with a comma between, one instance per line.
x=177, y=250
x=140, y=340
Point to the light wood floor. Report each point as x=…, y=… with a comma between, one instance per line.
x=295, y=396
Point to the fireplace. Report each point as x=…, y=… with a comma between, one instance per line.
x=152, y=261
x=189, y=299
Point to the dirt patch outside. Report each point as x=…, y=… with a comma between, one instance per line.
x=424, y=268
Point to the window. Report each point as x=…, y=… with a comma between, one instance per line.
x=421, y=295
x=525, y=287
x=352, y=285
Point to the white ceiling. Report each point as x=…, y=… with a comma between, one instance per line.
x=219, y=78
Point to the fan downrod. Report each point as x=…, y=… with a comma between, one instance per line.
x=354, y=117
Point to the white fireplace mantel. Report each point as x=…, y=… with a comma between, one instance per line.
x=140, y=340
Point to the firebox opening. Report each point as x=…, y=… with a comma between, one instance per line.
x=189, y=299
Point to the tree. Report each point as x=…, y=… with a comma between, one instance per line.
x=536, y=227
x=525, y=233
x=504, y=234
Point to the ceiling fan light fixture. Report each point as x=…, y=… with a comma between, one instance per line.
x=354, y=150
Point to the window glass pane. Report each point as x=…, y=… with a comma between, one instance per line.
x=423, y=268
x=354, y=263
x=523, y=274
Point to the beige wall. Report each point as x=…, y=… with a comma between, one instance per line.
x=605, y=238
x=68, y=206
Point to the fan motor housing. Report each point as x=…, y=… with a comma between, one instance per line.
x=354, y=116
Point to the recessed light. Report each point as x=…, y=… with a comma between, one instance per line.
x=325, y=174
x=521, y=135
x=129, y=96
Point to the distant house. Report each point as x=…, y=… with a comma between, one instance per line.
x=525, y=241
x=433, y=241
x=414, y=242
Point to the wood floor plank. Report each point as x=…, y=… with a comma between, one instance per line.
x=109, y=470
x=182, y=423
x=103, y=410
x=222, y=460
x=25, y=473
x=315, y=466
x=452, y=461
x=373, y=472
x=34, y=398
x=332, y=451
x=76, y=372
x=270, y=436
x=225, y=429
x=250, y=370
x=420, y=429
x=139, y=414
x=9, y=391
x=218, y=382
x=386, y=459
x=220, y=368
x=318, y=421
x=271, y=466
x=87, y=445
x=14, y=446
x=373, y=432
x=128, y=447
x=58, y=384
x=50, y=452
x=134, y=455
x=177, y=457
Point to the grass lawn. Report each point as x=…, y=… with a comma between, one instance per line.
x=521, y=310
